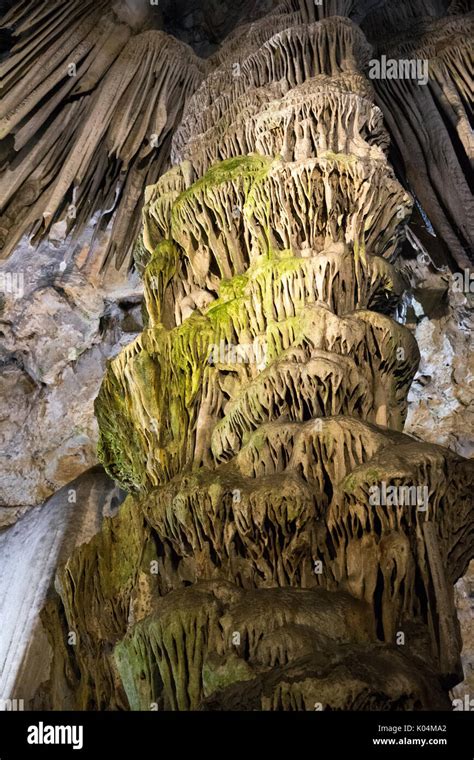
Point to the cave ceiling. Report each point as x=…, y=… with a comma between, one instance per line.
x=91, y=93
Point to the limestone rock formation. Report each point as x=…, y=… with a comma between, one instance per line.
x=30, y=552
x=285, y=543
x=437, y=160
x=58, y=328
x=75, y=149
x=440, y=399
x=72, y=151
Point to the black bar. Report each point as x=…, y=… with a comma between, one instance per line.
x=314, y=735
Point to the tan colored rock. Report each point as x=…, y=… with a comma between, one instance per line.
x=286, y=544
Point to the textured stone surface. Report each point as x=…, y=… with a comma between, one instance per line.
x=56, y=337
x=441, y=407
x=465, y=607
x=31, y=551
x=441, y=403
x=259, y=474
x=88, y=158
x=266, y=396
x=437, y=155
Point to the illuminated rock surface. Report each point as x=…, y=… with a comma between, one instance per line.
x=264, y=403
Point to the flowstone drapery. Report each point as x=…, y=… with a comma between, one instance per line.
x=285, y=545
